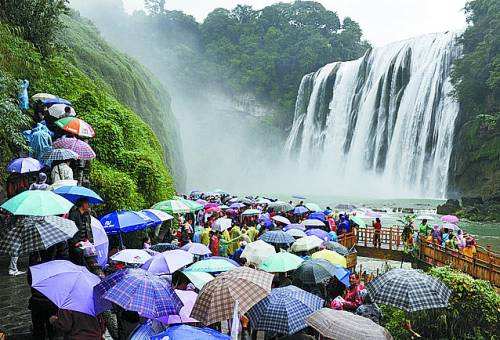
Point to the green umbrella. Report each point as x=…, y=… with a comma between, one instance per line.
x=359, y=221
x=280, y=206
x=281, y=262
x=37, y=203
x=211, y=265
x=198, y=279
x=194, y=206
x=172, y=207
x=313, y=207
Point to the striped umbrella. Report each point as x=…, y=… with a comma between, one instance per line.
x=315, y=271
x=193, y=205
x=82, y=149
x=339, y=324
x=284, y=311
x=216, y=300
x=76, y=126
x=277, y=237
x=24, y=165
x=280, y=206
x=161, y=247
x=58, y=111
x=337, y=247
x=59, y=155
x=172, y=207
x=318, y=232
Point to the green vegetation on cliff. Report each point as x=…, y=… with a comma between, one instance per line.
x=131, y=169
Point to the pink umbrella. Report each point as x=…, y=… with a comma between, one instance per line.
x=188, y=299
x=211, y=205
x=213, y=209
x=83, y=150
x=450, y=219
x=168, y=261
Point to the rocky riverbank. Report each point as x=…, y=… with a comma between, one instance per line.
x=472, y=208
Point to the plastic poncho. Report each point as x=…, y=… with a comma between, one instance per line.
x=252, y=233
x=235, y=234
x=24, y=101
x=205, y=236
x=40, y=141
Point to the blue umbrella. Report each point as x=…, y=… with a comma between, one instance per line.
x=300, y=197
x=317, y=216
x=277, y=237
x=300, y=210
x=284, y=311
x=24, y=165
x=182, y=332
x=124, y=221
x=74, y=193
x=315, y=271
x=52, y=101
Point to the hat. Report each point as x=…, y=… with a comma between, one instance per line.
x=42, y=177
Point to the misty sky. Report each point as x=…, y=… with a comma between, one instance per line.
x=382, y=21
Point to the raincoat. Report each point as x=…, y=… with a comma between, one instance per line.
x=40, y=141
x=205, y=236
x=252, y=233
x=235, y=236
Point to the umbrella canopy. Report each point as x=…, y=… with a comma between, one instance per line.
x=59, y=155
x=409, y=289
x=67, y=285
x=140, y=291
x=37, y=203
x=198, y=279
x=339, y=324
x=237, y=205
x=451, y=226
x=188, y=297
x=300, y=210
x=320, y=216
x=359, y=221
x=161, y=247
x=42, y=96
x=212, y=265
x=157, y=216
x=31, y=234
x=76, y=126
x=337, y=247
x=450, y=219
x=257, y=251
x=245, y=200
x=281, y=219
x=58, y=110
x=222, y=224
x=277, y=237
x=172, y=207
x=193, y=205
x=197, y=249
x=313, y=207
x=217, y=299
x=55, y=100
x=201, y=201
x=320, y=233
x=101, y=241
x=284, y=311
x=298, y=226
x=313, y=223
x=250, y=212
x=263, y=201
x=132, y=256
x=300, y=197
x=81, y=148
x=74, y=193
x=345, y=207
x=24, y=165
x=281, y=262
x=182, y=332
x=296, y=233
x=306, y=243
x=331, y=257
x=280, y=206
x=168, y=262
x=124, y=221
x=315, y=271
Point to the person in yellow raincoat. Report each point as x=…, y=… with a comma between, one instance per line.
x=224, y=242
x=235, y=238
x=252, y=233
x=205, y=236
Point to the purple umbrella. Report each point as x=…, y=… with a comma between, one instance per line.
x=300, y=210
x=197, y=249
x=211, y=205
x=319, y=233
x=450, y=219
x=168, y=261
x=188, y=299
x=299, y=226
x=232, y=212
x=320, y=216
x=67, y=285
x=24, y=165
x=101, y=241
x=83, y=150
x=200, y=201
x=237, y=205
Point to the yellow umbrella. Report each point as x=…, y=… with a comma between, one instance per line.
x=330, y=256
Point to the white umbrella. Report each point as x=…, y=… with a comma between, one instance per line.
x=222, y=224
x=313, y=223
x=313, y=207
x=282, y=219
x=257, y=251
x=101, y=241
x=162, y=216
x=43, y=96
x=296, y=233
x=59, y=111
x=250, y=212
x=306, y=243
x=425, y=217
x=132, y=256
x=263, y=201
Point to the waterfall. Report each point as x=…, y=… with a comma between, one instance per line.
x=382, y=123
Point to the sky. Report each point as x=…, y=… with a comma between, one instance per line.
x=382, y=21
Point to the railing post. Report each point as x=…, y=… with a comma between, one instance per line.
x=398, y=238
x=390, y=238
x=366, y=236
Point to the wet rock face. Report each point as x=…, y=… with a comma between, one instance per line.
x=451, y=206
x=471, y=201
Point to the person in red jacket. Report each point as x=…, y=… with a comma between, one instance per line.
x=377, y=226
x=214, y=243
x=352, y=297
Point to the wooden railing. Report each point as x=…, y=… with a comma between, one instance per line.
x=390, y=238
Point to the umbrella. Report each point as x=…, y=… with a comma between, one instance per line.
x=140, y=291
x=157, y=216
x=313, y=223
x=237, y=205
x=245, y=200
x=257, y=251
x=320, y=216
x=250, y=212
x=372, y=214
x=24, y=165
x=409, y=289
x=212, y=265
x=58, y=110
x=221, y=192
x=211, y=205
x=42, y=96
x=263, y=201
x=359, y=221
x=31, y=234
x=337, y=247
x=281, y=262
x=339, y=324
x=222, y=224
x=450, y=219
x=306, y=243
x=74, y=193
x=331, y=257
x=168, y=262
x=217, y=299
x=101, y=241
x=63, y=183
x=172, y=207
x=277, y=237
x=161, y=247
x=320, y=233
x=198, y=279
x=300, y=210
x=425, y=217
x=132, y=256
x=300, y=197
x=224, y=207
x=37, y=203
x=188, y=298
x=296, y=233
x=315, y=271
x=313, y=207
x=182, y=332
x=59, y=155
x=280, y=206
x=67, y=285
x=298, y=226
x=284, y=311
x=200, y=201
x=450, y=226
x=281, y=219
x=125, y=222
x=76, y=126
x=345, y=207
x=193, y=205
x=81, y=148
x=213, y=210
x=197, y=249
x=55, y=100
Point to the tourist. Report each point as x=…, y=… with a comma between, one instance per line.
x=40, y=183
x=214, y=243
x=80, y=214
x=445, y=237
x=436, y=234
x=77, y=325
x=146, y=242
x=61, y=172
x=424, y=229
x=205, y=235
x=377, y=226
x=353, y=298
x=237, y=253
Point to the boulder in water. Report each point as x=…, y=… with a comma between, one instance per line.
x=449, y=208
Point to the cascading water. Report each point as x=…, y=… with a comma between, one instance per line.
x=383, y=123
